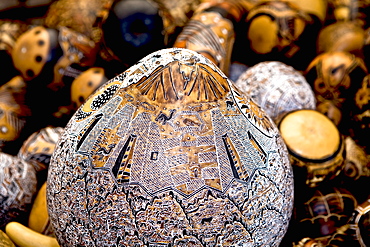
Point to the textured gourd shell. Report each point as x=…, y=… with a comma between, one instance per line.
x=169, y=153
x=17, y=188
x=80, y=16
x=328, y=209
x=360, y=223
x=38, y=147
x=278, y=88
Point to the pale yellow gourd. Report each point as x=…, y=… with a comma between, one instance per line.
x=24, y=236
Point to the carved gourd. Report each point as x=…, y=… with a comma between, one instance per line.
x=18, y=186
x=278, y=88
x=169, y=152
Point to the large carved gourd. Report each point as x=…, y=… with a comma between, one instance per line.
x=169, y=153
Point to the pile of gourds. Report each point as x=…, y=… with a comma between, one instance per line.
x=55, y=54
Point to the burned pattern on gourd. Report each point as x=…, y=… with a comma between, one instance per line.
x=169, y=153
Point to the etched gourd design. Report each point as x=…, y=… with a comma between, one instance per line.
x=170, y=153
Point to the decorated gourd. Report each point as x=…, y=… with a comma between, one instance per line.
x=56, y=56
x=340, y=237
x=85, y=84
x=83, y=16
x=280, y=31
x=210, y=31
x=277, y=88
x=18, y=186
x=49, y=60
x=336, y=77
x=359, y=115
x=357, y=162
x=325, y=212
x=9, y=33
x=316, y=147
x=38, y=148
x=132, y=29
x=360, y=223
x=308, y=242
x=35, y=48
x=170, y=153
x=175, y=16
x=14, y=114
x=315, y=8
x=348, y=11
x=341, y=36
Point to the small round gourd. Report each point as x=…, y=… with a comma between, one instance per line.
x=278, y=88
x=280, y=31
x=85, y=84
x=133, y=29
x=336, y=76
x=315, y=145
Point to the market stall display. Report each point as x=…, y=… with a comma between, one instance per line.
x=57, y=59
